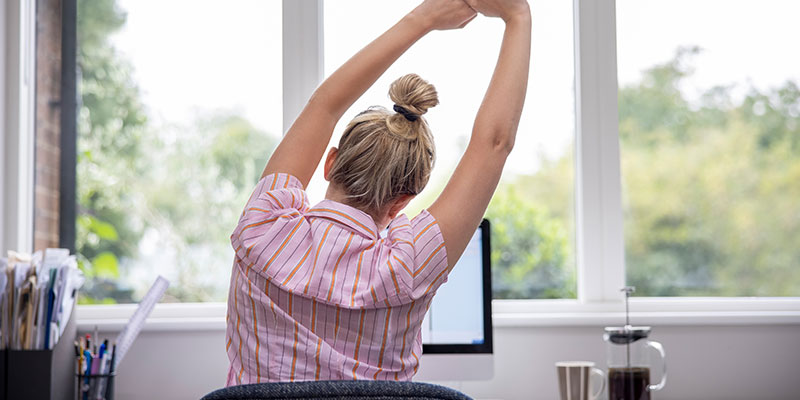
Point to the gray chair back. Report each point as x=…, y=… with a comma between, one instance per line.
x=351, y=390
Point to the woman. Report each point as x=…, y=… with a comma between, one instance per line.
x=316, y=292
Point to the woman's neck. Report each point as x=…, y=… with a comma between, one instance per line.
x=337, y=195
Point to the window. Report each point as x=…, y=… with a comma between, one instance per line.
x=706, y=148
x=532, y=212
x=709, y=126
x=181, y=106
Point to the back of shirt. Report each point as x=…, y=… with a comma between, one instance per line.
x=317, y=293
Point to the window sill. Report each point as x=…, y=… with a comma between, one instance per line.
x=506, y=314
x=697, y=311
x=164, y=318
x=708, y=318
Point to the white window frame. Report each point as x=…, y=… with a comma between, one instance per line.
x=599, y=218
x=17, y=107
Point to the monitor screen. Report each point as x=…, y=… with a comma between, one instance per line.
x=459, y=318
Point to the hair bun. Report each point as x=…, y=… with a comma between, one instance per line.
x=413, y=94
x=384, y=154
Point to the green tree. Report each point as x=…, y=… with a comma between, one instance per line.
x=710, y=187
x=111, y=123
x=530, y=249
x=194, y=192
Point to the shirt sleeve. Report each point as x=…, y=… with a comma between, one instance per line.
x=278, y=200
x=418, y=249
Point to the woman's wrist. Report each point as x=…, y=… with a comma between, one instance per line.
x=520, y=13
x=422, y=23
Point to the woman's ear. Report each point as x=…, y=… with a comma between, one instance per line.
x=329, y=162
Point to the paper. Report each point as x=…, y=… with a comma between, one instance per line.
x=37, y=295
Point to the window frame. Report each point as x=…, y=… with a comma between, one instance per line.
x=599, y=217
x=17, y=118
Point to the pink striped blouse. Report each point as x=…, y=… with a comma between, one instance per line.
x=317, y=293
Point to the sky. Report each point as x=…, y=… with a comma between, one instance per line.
x=742, y=40
x=196, y=56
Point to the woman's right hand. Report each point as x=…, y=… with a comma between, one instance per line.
x=504, y=9
x=445, y=14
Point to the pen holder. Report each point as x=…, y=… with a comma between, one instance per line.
x=95, y=387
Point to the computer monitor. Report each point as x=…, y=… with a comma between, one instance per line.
x=457, y=330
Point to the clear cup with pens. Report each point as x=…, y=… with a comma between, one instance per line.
x=97, y=363
x=95, y=369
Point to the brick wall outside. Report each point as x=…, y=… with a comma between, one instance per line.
x=48, y=123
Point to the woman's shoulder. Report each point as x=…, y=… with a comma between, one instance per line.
x=418, y=248
x=277, y=181
x=422, y=226
x=280, y=191
x=419, y=236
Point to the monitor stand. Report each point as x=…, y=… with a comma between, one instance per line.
x=455, y=367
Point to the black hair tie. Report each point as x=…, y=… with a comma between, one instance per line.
x=408, y=114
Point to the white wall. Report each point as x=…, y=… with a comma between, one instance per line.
x=705, y=362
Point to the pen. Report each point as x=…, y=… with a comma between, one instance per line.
x=81, y=359
x=78, y=358
x=107, y=365
x=88, y=371
x=96, y=362
x=96, y=338
x=88, y=355
x=113, y=355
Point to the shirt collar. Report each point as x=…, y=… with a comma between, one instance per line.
x=350, y=217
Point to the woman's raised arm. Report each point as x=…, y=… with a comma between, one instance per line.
x=303, y=146
x=460, y=207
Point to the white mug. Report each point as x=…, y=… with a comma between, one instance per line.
x=574, y=380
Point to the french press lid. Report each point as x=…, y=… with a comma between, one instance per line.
x=625, y=334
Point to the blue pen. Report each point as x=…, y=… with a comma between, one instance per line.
x=88, y=355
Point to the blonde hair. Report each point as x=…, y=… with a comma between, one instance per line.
x=383, y=155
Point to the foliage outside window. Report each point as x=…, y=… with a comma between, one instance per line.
x=156, y=195
x=710, y=148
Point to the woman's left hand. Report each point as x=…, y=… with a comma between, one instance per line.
x=445, y=14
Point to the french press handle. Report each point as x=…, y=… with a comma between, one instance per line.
x=660, y=349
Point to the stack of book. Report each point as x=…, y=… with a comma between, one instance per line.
x=37, y=295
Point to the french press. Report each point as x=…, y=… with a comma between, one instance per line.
x=629, y=359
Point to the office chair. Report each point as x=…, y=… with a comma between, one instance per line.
x=351, y=390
